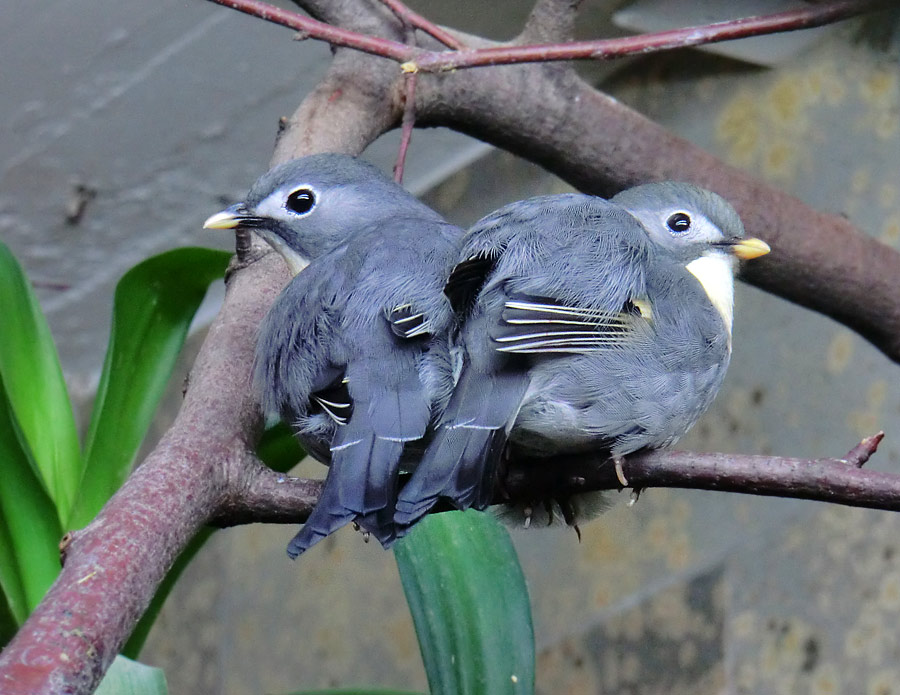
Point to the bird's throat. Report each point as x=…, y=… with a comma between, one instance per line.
x=715, y=271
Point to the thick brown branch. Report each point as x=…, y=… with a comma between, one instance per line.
x=269, y=497
x=819, y=261
x=550, y=21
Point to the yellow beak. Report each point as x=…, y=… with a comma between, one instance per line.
x=222, y=220
x=747, y=249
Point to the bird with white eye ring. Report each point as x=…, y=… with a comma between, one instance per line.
x=354, y=354
x=587, y=325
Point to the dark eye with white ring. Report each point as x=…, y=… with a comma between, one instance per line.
x=301, y=201
x=679, y=222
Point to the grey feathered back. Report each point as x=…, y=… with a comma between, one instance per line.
x=582, y=329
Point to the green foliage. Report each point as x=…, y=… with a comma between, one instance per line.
x=354, y=691
x=459, y=570
x=127, y=677
x=469, y=603
x=154, y=304
x=48, y=485
x=35, y=390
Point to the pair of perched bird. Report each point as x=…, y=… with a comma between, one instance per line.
x=554, y=325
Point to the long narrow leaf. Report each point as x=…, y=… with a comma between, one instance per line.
x=8, y=623
x=29, y=367
x=469, y=603
x=354, y=691
x=154, y=304
x=279, y=449
x=29, y=527
x=127, y=677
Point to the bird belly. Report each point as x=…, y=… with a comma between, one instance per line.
x=583, y=405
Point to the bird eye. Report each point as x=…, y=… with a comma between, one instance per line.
x=301, y=201
x=679, y=222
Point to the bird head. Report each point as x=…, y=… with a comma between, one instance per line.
x=699, y=228
x=308, y=206
x=689, y=221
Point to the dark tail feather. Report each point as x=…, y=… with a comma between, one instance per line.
x=368, y=472
x=462, y=459
x=361, y=484
x=474, y=486
x=460, y=466
x=327, y=517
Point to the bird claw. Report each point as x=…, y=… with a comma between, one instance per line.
x=620, y=474
x=635, y=496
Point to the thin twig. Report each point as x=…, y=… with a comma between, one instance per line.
x=858, y=455
x=274, y=498
x=407, y=124
x=416, y=20
x=826, y=480
x=603, y=49
x=314, y=29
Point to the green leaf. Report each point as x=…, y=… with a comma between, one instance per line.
x=127, y=677
x=29, y=368
x=279, y=449
x=469, y=603
x=153, y=307
x=30, y=531
x=354, y=691
x=8, y=623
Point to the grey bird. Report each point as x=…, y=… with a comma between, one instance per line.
x=354, y=353
x=588, y=324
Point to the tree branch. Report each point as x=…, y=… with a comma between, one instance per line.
x=407, y=125
x=416, y=20
x=550, y=21
x=203, y=464
x=605, y=49
x=819, y=261
x=835, y=480
x=307, y=27
x=602, y=49
x=271, y=497
x=537, y=111
x=202, y=468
